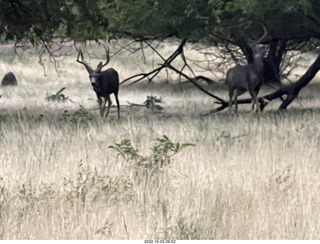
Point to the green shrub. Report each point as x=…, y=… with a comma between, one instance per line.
x=162, y=151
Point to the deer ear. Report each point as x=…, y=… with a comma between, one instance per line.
x=89, y=69
x=99, y=67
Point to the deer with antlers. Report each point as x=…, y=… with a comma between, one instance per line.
x=104, y=83
x=247, y=78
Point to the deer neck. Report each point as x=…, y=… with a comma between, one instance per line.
x=258, y=64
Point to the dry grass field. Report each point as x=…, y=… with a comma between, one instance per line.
x=246, y=177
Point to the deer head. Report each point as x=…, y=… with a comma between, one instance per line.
x=94, y=73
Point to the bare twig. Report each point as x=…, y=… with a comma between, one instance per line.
x=193, y=81
x=156, y=71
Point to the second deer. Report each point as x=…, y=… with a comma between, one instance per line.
x=104, y=83
x=246, y=78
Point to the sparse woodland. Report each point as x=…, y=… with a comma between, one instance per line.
x=176, y=165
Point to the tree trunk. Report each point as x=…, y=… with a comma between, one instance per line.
x=292, y=90
x=272, y=62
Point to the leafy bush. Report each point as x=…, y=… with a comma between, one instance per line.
x=147, y=170
x=162, y=151
x=80, y=116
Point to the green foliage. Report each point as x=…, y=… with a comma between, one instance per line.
x=58, y=97
x=164, y=146
x=152, y=103
x=126, y=150
x=84, y=21
x=159, y=19
x=42, y=20
x=147, y=170
x=243, y=19
x=162, y=151
x=258, y=8
x=255, y=9
x=81, y=116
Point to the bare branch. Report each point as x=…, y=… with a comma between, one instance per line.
x=155, y=50
x=156, y=71
x=42, y=63
x=193, y=81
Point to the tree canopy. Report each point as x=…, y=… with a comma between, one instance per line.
x=192, y=19
x=41, y=20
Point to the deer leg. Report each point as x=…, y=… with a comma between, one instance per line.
x=109, y=105
x=252, y=102
x=237, y=94
x=99, y=101
x=118, y=104
x=236, y=103
x=230, y=100
x=103, y=107
x=255, y=102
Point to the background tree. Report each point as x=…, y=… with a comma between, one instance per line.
x=284, y=25
x=290, y=24
x=41, y=20
x=158, y=19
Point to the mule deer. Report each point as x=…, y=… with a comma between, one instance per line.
x=104, y=83
x=246, y=78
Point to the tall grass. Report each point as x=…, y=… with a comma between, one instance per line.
x=247, y=177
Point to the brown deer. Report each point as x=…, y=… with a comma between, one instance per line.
x=104, y=83
x=249, y=77
x=246, y=78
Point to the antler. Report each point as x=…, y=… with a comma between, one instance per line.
x=265, y=33
x=89, y=69
x=80, y=61
x=107, y=55
x=100, y=65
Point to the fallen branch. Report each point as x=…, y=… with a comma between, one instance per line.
x=136, y=104
x=193, y=81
